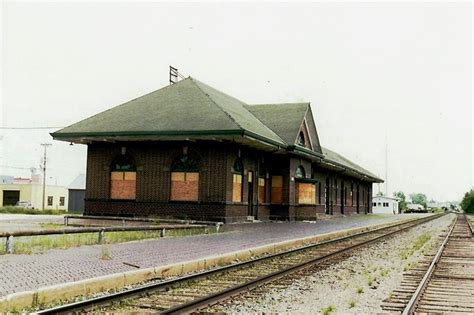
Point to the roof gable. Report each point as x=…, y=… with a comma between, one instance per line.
x=284, y=119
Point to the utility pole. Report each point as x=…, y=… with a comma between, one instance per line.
x=45, y=145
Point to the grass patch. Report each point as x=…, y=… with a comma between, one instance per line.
x=352, y=304
x=17, y=210
x=415, y=245
x=328, y=310
x=360, y=290
x=38, y=244
x=52, y=226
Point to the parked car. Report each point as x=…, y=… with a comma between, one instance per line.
x=24, y=204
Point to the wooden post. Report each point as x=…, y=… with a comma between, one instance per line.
x=163, y=232
x=9, y=245
x=101, y=236
x=66, y=220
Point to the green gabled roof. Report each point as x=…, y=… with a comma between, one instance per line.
x=284, y=119
x=187, y=107
x=331, y=156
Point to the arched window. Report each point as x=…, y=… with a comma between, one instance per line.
x=238, y=170
x=184, y=179
x=301, y=140
x=300, y=172
x=123, y=178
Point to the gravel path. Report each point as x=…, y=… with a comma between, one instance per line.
x=356, y=285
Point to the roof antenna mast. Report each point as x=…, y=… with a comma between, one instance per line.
x=175, y=75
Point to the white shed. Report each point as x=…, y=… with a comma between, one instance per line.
x=383, y=204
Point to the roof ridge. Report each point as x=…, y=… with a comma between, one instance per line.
x=230, y=116
x=273, y=104
x=214, y=102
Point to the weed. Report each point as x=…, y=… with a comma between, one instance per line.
x=360, y=290
x=352, y=304
x=371, y=279
x=104, y=253
x=328, y=310
x=416, y=245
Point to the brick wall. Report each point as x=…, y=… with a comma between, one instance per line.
x=214, y=201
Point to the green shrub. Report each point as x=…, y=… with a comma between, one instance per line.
x=467, y=203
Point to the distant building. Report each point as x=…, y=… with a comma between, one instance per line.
x=31, y=190
x=414, y=206
x=5, y=179
x=387, y=205
x=77, y=193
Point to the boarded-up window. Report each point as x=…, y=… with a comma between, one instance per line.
x=276, y=191
x=123, y=178
x=123, y=185
x=184, y=186
x=261, y=190
x=184, y=179
x=306, y=193
x=237, y=188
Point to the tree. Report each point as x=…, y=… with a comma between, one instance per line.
x=419, y=199
x=467, y=203
x=402, y=203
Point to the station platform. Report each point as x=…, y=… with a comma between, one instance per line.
x=30, y=272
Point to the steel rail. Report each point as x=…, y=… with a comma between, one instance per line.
x=91, y=304
x=196, y=305
x=469, y=223
x=409, y=309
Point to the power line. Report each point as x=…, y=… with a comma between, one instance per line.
x=28, y=128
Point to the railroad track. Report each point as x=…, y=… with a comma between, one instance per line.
x=200, y=290
x=444, y=281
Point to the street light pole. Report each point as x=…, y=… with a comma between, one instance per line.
x=45, y=145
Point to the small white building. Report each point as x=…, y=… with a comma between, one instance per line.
x=386, y=205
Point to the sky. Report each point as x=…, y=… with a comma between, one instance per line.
x=390, y=84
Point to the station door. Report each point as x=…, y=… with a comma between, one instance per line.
x=11, y=197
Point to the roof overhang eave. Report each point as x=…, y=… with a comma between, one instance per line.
x=352, y=172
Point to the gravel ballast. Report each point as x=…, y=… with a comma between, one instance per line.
x=355, y=285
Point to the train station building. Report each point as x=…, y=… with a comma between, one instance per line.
x=191, y=151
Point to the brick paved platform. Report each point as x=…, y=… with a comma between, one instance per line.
x=27, y=272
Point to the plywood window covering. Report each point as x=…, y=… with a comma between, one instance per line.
x=276, y=189
x=320, y=193
x=261, y=190
x=184, y=179
x=123, y=178
x=307, y=193
x=236, y=187
x=123, y=185
x=184, y=186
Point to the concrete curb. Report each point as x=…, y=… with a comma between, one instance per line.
x=55, y=293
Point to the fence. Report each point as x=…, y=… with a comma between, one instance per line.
x=100, y=230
